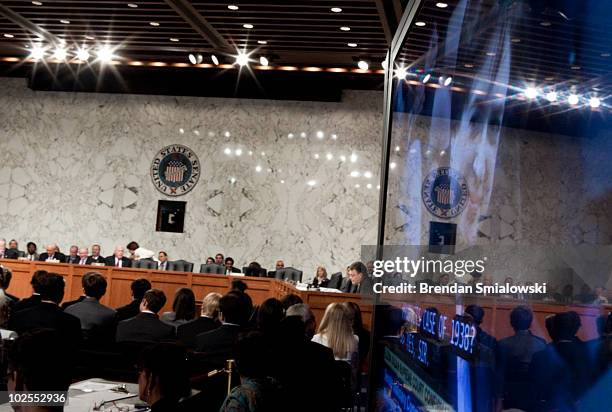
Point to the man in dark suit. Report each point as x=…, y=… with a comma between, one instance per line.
x=65, y=305
x=207, y=321
x=83, y=256
x=163, y=261
x=219, y=343
x=73, y=257
x=139, y=287
x=52, y=254
x=13, y=251
x=360, y=281
x=5, y=281
x=48, y=314
x=146, y=326
x=118, y=260
x=97, y=320
x=229, y=266
x=33, y=300
x=95, y=256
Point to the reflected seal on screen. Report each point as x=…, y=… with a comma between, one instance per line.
x=445, y=192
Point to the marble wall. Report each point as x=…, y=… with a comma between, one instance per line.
x=74, y=168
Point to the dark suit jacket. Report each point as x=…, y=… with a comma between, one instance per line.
x=188, y=332
x=235, y=270
x=346, y=285
x=97, y=321
x=73, y=259
x=365, y=287
x=219, y=343
x=128, y=311
x=13, y=253
x=59, y=256
x=144, y=328
x=72, y=302
x=26, y=303
x=47, y=315
x=98, y=259
x=126, y=263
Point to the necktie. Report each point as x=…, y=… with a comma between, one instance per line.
x=117, y=262
x=82, y=261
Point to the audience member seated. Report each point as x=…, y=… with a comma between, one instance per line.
x=31, y=251
x=219, y=343
x=163, y=260
x=515, y=354
x=482, y=337
x=139, y=287
x=65, y=305
x=269, y=315
x=83, y=256
x=118, y=260
x=240, y=288
x=208, y=320
x=360, y=281
x=257, y=391
x=146, y=326
x=96, y=257
x=336, y=332
x=6, y=274
x=35, y=298
x=358, y=329
x=183, y=308
x=320, y=280
x=163, y=380
x=303, y=311
x=229, y=266
x=98, y=322
x=600, y=349
x=4, y=316
x=48, y=314
x=290, y=300
x=52, y=254
x=73, y=256
x=39, y=361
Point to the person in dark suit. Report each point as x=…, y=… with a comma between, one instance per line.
x=118, y=260
x=31, y=251
x=139, y=287
x=5, y=280
x=163, y=261
x=95, y=257
x=48, y=314
x=208, y=320
x=97, y=321
x=83, y=256
x=13, y=251
x=73, y=257
x=65, y=305
x=360, y=281
x=52, y=254
x=229, y=266
x=146, y=326
x=219, y=343
x=35, y=298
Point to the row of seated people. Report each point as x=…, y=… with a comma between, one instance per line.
x=295, y=356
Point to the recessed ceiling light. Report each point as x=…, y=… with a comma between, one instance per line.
x=82, y=54
x=426, y=78
x=468, y=65
x=262, y=42
x=605, y=54
x=37, y=52
x=575, y=67
x=351, y=44
x=345, y=28
x=573, y=99
x=420, y=23
x=174, y=39
x=247, y=26
x=490, y=54
x=64, y=21
x=516, y=40
x=531, y=92
x=37, y=3
x=442, y=5
x=551, y=96
x=214, y=60
x=154, y=23
x=401, y=73
x=8, y=36
x=105, y=54
x=233, y=7
x=263, y=61
x=89, y=38
x=448, y=81
x=336, y=9
x=242, y=59
x=363, y=65
x=594, y=102
x=132, y=5
x=60, y=53
x=549, y=78
x=545, y=23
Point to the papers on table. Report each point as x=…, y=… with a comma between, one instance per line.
x=332, y=290
x=89, y=386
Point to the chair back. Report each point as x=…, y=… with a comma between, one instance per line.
x=212, y=268
x=289, y=273
x=335, y=281
x=145, y=264
x=250, y=271
x=346, y=395
x=180, y=266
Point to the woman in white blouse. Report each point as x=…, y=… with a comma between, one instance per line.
x=336, y=332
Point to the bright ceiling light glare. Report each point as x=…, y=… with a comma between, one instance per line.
x=573, y=99
x=248, y=26
x=420, y=24
x=105, y=54
x=37, y=53
x=531, y=92
x=426, y=78
x=242, y=59
x=233, y=7
x=8, y=36
x=345, y=28
x=392, y=165
x=355, y=173
x=311, y=182
x=60, y=53
x=441, y=5
x=336, y=10
x=214, y=60
x=468, y=65
x=545, y=23
x=132, y=5
x=329, y=156
x=238, y=152
x=263, y=61
x=174, y=39
x=515, y=40
x=363, y=65
x=89, y=37
x=37, y=3
x=594, y=102
x=448, y=81
x=575, y=67
x=551, y=96
x=320, y=134
x=154, y=23
x=227, y=151
x=351, y=44
x=64, y=21
x=82, y=54
x=401, y=73
x=258, y=168
x=192, y=58
x=262, y=42
x=353, y=158
x=367, y=175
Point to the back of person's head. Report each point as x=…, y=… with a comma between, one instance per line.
x=184, y=306
x=290, y=300
x=37, y=361
x=239, y=285
x=4, y=308
x=52, y=287
x=139, y=287
x=94, y=285
x=292, y=329
x=303, y=311
x=155, y=299
x=252, y=356
x=356, y=315
x=210, y=305
x=36, y=279
x=563, y=326
x=247, y=305
x=269, y=315
x=337, y=326
x=476, y=312
x=254, y=265
x=5, y=277
x=165, y=370
x=232, y=309
x=521, y=318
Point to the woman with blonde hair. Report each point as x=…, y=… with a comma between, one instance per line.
x=336, y=332
x=320, y=280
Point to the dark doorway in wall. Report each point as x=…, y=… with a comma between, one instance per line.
x=170, y=216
